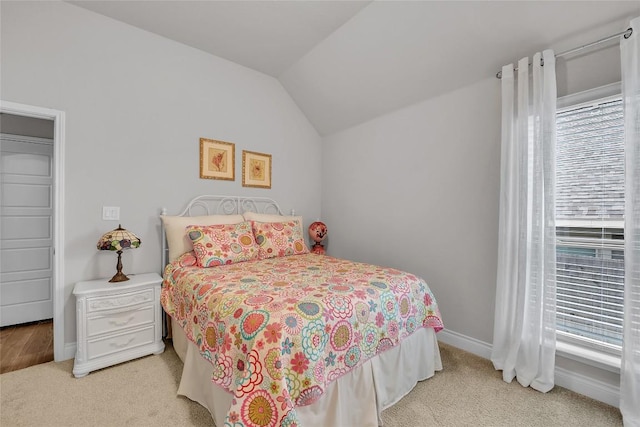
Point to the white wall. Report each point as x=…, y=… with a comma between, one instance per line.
x=418, y=189
x=136, y=105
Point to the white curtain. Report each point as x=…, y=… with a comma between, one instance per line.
x=630, y=370
x=524, y=338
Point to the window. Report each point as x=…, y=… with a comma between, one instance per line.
x=590, y=224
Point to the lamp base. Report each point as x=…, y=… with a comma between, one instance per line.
x=119, y=277
x=318, y=249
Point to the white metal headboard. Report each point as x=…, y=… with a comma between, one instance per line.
x=220, y=205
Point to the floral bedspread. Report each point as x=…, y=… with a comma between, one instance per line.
x=278, y=331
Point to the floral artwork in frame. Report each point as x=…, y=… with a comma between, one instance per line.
x=256, y=169
x=217, y=159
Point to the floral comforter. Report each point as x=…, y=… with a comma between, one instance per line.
x=278, y=331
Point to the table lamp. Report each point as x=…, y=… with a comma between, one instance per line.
x=118, y=240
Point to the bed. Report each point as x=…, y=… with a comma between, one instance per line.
x=272, y=335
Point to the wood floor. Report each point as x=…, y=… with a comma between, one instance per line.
x=25, y=345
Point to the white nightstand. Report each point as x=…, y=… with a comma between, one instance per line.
x=117, y=322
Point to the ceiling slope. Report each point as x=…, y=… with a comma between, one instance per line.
x=347, y=62
x=394, y=54
x=268, y=36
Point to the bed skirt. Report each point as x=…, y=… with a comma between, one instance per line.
x=356, y=399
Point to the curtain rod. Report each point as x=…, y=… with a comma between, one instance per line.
x=627, y=33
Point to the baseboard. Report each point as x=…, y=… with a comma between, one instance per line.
x=466, y=343
x=590, y=387
x=570, y=380
x=69, y=351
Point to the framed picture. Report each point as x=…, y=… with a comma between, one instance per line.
x=217, y=159
x=256, y=169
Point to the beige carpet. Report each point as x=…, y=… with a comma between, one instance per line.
x=468, y=392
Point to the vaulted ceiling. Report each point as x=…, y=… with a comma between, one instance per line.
x=347, y=62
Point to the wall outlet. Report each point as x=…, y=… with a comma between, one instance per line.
x=110, y=213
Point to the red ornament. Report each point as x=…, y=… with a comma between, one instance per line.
x=317, y=232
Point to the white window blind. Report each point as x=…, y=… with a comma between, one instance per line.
x=590, y=223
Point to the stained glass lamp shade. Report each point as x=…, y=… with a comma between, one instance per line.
x=118, y=240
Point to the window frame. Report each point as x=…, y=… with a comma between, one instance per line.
x=600, y=355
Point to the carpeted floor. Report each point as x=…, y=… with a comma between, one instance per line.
x=468, y=392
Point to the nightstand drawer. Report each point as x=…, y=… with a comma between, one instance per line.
x=111, y=322
x=123, y=300
x=101, y=347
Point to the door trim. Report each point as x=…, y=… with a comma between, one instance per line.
x=58, y=118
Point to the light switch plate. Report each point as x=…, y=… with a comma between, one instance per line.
x=110, y=213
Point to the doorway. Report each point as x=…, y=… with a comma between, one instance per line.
x=57, y=221
x=26, y=219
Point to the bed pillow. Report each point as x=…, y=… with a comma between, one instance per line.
x=277, y=239
x=216, y=245
x=175, y=230
x=252, y=216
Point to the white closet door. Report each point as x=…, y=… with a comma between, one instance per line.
x=26, y=230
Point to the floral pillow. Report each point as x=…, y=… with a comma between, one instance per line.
x=215, y=245
x=277, y=239
x=174, y=227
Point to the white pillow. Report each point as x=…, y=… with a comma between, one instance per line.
x=258, y=217
x=175, y=230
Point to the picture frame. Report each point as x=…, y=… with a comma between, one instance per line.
x=256, y=169
x=217, y=159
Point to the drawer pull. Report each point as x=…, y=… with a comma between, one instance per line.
x=121, y=322
x=113, y=344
